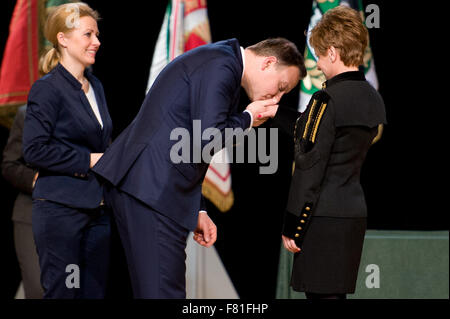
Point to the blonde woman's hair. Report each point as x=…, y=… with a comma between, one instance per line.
x=63, y=18
x=341, y=27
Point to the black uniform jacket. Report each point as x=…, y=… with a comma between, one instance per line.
x=332, y=138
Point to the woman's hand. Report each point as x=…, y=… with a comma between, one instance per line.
x=290, y=244
x=94, y=158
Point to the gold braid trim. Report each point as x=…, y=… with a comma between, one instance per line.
x=305, y=132
x=380, y=132
x=317, y=121
x=222, y=201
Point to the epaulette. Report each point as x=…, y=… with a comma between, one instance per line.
x=306, y=132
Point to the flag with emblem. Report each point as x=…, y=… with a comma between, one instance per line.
x=20, y=64
x=314, y=79
x=185, y=26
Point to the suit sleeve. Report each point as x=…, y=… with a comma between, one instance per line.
x=14, y=169
x=41, y=149
x=213, y=88
x=310, y=167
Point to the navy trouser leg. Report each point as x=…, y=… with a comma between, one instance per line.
x=70, y=241
x=154, y=245
x=95, y=248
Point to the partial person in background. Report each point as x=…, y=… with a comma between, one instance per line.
x=67, y=129
x=325, y=219
x=22, y=176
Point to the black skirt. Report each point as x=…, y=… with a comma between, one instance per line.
x=329, y=260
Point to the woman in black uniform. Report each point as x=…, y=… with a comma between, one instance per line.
x=325, y=219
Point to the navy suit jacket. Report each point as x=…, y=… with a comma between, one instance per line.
x=60, y=133
x=201, y=84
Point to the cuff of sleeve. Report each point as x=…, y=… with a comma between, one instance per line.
x=294, y=226
x=83, y=170
x=290, y=225
x=251, y=118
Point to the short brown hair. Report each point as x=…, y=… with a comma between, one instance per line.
x=341, y=27
x=284, y=50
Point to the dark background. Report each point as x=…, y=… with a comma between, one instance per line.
x=399, y=192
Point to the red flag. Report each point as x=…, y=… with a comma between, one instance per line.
x=19, y=68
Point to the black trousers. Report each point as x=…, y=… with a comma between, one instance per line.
x=154, y=247
x=73, y=248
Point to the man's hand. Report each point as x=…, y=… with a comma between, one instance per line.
x=289, y=244
x=206, y=232
x=262, y=110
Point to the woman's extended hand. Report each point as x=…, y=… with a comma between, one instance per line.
x=94, y=158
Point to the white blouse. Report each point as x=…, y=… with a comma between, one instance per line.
x=93, y=102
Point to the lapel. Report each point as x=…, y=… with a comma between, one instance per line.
x=87, y=116
x=236, y=48
x=88, y=109
x=103, y=109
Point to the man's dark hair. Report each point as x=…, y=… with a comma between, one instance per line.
x=284, y=50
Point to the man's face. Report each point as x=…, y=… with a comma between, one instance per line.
x=268, y=79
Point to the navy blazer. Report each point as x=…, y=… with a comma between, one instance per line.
x=201, y=84
x=60, y=133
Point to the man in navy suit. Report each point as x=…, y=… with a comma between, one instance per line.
x=157, y=202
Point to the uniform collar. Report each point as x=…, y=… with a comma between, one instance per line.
x=345, y=76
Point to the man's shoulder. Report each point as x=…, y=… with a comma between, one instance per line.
x=229, y=45
x=226, y=49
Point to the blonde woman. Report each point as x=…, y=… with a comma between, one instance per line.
x=67, y=129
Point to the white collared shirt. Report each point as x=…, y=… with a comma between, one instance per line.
x=243, y=61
